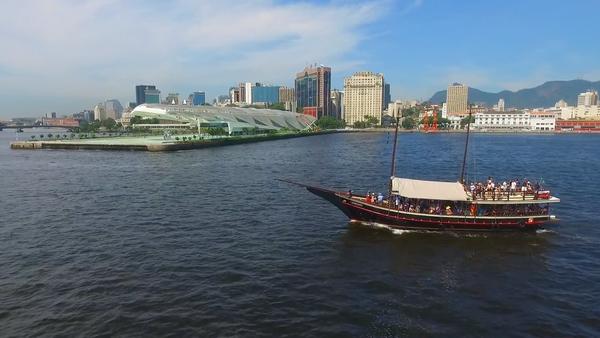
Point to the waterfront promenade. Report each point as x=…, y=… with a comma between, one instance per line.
x=155, y=143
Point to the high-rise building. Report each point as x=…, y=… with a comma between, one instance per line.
x=172, y=98
x=313, y=87
x=589, y=98
x=151, y=96
x=337, y=104
x=234, y=95
x=265, y=94
x=501, y=104
x=457, y=99
x=198, y=98
x=242, y=87
x=113, y=109
x=248, y=92
x=287, y=96
x=387, y=98
x=363, y=96
x=100, y=112
x=140, y=93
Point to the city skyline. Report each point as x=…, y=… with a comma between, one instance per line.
x=81, y=54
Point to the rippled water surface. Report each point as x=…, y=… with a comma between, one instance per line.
x=207, y=243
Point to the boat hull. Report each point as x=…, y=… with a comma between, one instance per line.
x=371, y=213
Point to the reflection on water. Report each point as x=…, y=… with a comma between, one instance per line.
x=207, y=243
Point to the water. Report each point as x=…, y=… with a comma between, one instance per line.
x=207, y=243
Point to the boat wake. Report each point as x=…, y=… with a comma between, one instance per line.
x=389, y=228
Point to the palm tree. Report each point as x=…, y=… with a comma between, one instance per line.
x=33, y=137
x=41, y=135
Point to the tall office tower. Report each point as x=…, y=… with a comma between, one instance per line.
x=172, y=98
x=265, y=94
x=363, y=96
x=234, y=94
x=337, y=105
x=151, y=96
x=457, y=98
x=248, y=92
x=113, y=109
x=242, y=87
x=140, y=96
x=198, y=98
x=287, y=96
x=313, y=87
x=387, y=98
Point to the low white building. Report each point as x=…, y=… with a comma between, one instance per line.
x=494, y=120
x=536, y=120
x=542, y=120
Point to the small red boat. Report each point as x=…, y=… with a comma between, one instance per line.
x=445, y=206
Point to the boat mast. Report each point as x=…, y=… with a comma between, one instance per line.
x=393, y=169
x=462, y=172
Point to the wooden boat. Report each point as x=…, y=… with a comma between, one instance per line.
x=443, y=206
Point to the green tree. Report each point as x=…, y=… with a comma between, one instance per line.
x=329, y=122
x=109, y=124
x=359, y=124
x=135, y=120
x=371, y=121
x=409, y=123
x=465, y=120
x=33, y=137
x=410, y=112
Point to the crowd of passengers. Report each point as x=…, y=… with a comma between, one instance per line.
x=492, y=190
x=433, y=207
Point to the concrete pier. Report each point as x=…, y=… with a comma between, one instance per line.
x=153, y=143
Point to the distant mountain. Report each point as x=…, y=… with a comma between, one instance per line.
x=545, y=95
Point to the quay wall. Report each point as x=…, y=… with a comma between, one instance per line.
x=111, y=144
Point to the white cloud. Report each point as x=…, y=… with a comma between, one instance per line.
x=92, y=50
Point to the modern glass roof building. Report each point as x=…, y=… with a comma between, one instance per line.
x=235, y=119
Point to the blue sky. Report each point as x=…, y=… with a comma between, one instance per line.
x=67, y=55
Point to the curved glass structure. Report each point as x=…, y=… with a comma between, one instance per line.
x=237, y=119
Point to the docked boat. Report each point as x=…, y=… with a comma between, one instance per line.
x=446, y=206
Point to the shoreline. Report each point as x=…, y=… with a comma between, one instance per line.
x=549, y=132
x=154, y=144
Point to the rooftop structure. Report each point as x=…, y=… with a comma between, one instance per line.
x=236, y=119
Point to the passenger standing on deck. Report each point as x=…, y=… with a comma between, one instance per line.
x=380, y=199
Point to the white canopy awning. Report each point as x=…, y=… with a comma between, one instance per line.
x=430, y=190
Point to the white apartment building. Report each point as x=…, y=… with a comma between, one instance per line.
x=363, y=96
x=580, y=112
x=589, y=98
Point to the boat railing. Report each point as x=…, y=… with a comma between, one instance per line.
x=466, y=211
x=509, y=195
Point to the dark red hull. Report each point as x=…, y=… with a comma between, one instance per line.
x=364, y=212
